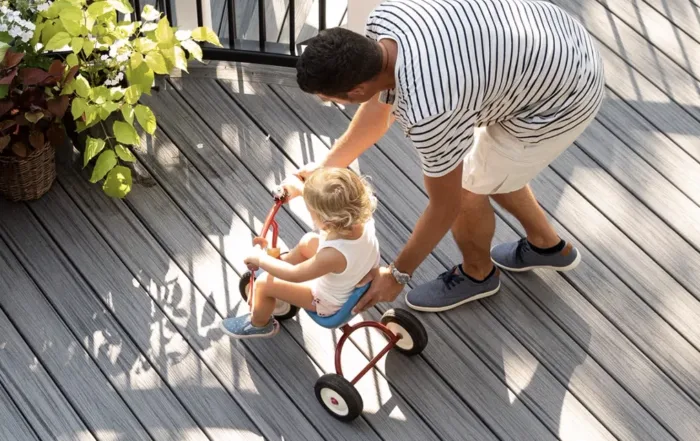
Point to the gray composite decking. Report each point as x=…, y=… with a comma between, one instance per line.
x=109, y=310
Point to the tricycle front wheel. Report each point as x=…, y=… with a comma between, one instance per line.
x=414, y=338
x=339, y=397
x=283, y=310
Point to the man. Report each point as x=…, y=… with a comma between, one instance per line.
x=490, y=92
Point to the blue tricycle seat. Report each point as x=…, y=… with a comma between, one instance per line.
x=344, y=314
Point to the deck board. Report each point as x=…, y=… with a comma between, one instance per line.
x=34, y=393
x=71, y=366
x=125, y=296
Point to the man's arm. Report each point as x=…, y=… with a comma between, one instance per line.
x=443, y=207
x=367, y=127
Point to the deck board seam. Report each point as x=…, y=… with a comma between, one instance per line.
x=13, y=402
x=53, y=308
x=651, y=43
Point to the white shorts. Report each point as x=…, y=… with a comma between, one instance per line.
x=501, y=163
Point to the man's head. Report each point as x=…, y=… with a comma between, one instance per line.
x=341, y=65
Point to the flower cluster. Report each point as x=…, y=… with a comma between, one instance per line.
x=12, y=22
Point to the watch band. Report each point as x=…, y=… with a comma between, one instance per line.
x=401, y=278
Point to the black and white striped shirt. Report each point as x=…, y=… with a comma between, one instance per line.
x=461, y=64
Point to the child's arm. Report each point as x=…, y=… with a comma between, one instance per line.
x=326, y=261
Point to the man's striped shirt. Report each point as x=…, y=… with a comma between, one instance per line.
x=461, y=64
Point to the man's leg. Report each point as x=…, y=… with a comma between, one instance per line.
x=523, y=205
x=477, y=277
x=542, y=247
x=473, y=231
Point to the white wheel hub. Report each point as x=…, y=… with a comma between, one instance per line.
x=405, y=342
x=334, y=402
x=281, y=308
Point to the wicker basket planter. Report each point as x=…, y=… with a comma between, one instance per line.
x=26, y=179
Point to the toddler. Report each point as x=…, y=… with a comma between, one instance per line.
x=323, y=270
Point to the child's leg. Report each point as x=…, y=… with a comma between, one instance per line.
x=305, y=249
x=269, y=289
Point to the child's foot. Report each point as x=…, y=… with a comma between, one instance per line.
x=241, y=327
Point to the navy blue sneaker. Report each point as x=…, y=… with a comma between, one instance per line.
x=241, y=327
x=520, y=256
x=450, y=290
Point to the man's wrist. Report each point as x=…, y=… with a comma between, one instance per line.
x=401, y=277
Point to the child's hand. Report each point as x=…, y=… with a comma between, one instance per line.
x=255, y=254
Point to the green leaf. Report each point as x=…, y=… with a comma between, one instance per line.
x=126, y=29
x=176, y=57
x=82, y=87
x=58, y=41
x=101, y=94
x=205, y=34
x=193, y=48
x=93, y=147
x=164, y=33
x=98, y=9
x=155, y=61
x=145, y=45
x=33, y=117
x=106, y=162
x=103, y=112
x=125, y=133
x=76, y=44
x=110, y=107
x=69, y=88
x=118, y=183
x=132, y=94
x=72, y=18
x=124, y=153
x=88, y=47
x=116, y=93
x=146, y=118
x=4, y=89
x=136, y=60
x=72, y=60
x=150, y=13
x=91, y=115
x=128, y=114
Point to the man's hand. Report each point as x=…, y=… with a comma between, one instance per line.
x=305, y=171
x=384, y=288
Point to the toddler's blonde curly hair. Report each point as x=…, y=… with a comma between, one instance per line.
x=339, y=198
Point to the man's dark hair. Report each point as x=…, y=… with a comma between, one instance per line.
x=336, y=61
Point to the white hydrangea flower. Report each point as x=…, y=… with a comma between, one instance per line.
x=121, y=58
x=43, y=6
x=26, y=36
x=104, y=57
x=38, y=47
x=15, y=31
x=3, y=27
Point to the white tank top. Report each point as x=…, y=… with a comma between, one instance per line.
x=361, y=255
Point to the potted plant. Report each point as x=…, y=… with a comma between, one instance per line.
x=117, y=61
x=31, y=108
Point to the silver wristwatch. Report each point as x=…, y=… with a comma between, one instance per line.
x=401, y=278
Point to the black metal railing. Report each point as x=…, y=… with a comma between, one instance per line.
x=260, y=51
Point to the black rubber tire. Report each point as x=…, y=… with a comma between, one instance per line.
x=412, y=326
x=341, y=388
x=243, y=288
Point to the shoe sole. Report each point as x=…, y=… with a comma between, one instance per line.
x=569, y=267
x=248, y=337
x=456, y=305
